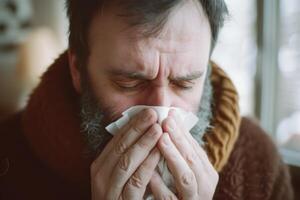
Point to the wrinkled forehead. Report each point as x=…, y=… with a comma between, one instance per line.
x=185, y=24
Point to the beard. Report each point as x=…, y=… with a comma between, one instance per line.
x=93, y=124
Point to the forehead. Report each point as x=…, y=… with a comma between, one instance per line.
x=186, y=32
x=185, y=21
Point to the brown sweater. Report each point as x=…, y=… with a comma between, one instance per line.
x=41, y=148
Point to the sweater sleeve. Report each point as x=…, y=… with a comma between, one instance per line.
x=255, y=170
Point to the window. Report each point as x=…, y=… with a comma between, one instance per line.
x=259, y=48
x=236, y=50
x=288, y=93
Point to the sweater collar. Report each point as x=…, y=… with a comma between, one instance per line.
x=51, y=123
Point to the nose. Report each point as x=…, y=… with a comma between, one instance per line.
x=159, y=96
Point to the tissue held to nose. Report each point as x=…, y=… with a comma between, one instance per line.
x=188, y=118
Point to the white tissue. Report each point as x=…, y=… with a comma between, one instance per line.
x=188, y=118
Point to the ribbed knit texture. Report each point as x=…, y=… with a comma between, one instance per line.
x=221, y=138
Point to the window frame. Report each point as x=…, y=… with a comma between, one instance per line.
x=268, y=37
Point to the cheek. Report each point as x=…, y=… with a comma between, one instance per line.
x=110, y=101
x=190, y=101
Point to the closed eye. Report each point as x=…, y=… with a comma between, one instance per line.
x=184, y=85
x=130, y=85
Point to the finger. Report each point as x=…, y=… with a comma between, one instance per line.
x=179, y=138
x=137, y=126
x=159, y=189
x=200, y=153
x=129, y=162
x=184, y=177
x=136, y=185
x=184, y=147
x=192, y=152
x=179, y=123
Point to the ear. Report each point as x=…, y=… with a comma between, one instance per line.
x=75, y=73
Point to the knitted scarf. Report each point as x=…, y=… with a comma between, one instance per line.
x=51, y=123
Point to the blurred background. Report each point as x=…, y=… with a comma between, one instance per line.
x=259, y=47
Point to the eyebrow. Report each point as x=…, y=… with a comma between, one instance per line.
x=189, y=77
x=127, y=74
x=140, y=76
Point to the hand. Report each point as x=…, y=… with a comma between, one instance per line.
x=195, y=177
x=125, y=166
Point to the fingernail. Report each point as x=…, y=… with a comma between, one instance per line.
x=146, y=116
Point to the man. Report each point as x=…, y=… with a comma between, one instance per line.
x=138, y=52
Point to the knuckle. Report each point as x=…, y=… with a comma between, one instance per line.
x=136, y=181
x=143, y=144
x=124, y=162
x=191, y=159
x=187, y=179
x=136, y=129
x=120, y=147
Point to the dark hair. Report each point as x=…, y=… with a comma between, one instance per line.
x=139, y=12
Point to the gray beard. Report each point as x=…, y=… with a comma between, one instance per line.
x=93, y=127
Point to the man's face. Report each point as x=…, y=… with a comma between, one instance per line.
x=164, y=70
